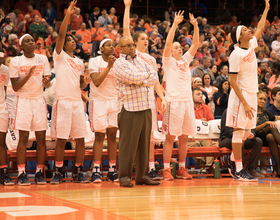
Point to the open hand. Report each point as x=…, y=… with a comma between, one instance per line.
x=178, y=17
x=163, y=105
x=127, y=2
x=192, y=19
x=267, y=5
x=249, y=111
x=72, y=8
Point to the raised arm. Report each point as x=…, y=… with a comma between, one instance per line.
x=126, y=32
x=195, y=40
x=169, y=40
x=261, y=23
x=63, y=28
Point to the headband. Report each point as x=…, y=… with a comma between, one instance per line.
x=21, y=39
x=102, y=43
x=1, y=55
x=238, y=32
x=196, y=79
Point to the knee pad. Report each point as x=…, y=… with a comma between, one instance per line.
x=237, y=136
x=246, y=134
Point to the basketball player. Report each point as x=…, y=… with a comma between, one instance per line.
x=68, y=118
x=4, y=80
x=141, y=41
x=29, y=73
x=103, y=109
x=242, y=103
x=179, y=119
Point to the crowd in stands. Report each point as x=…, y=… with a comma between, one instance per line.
x=209, y=69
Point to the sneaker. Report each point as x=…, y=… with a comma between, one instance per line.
x=153, y=174
x=113, y=176
x=166, y=174
x=204, y=171
x=39, y=178
x=96, y=176
x=231, y=165
x=244, y=176
x=254, y=173
x=182, y=173
x=22, y=180
x=5, y=179
x=57, y=178
x=78, y=175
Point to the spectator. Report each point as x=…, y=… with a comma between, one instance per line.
x=44, y=23
x=233, y=22
x=24, y=26
x=49, y=30
x=12, y=40
x=267, y=131
x=109, y=32
x=97, y=34
x=85, y=34
x=207, y=86
x=139, y=25
x=32, y=12
x=253, y=143
x=224, y=61
x=262, y=47
x=49, y=14
x=154, y=40
x=39, y=49
x=104, y=18
x=87, y=21
x=13, y=17
x=260, y=57
x=268, y=37
x=7, y=26
x=116, y=29
x=203, y=113
x=276, y=22
x=275, y=45
x=263, y=73
x=93, y=17
x=37, y=28
x=197, y=83
x=202, y=25
x=147, y=25
x=214, y=70
x=273, y=58
x=169, y=14
x=51, y=39
x=112, y=15
x=20, y=17
x=274, y=109
x=2, y=16
x=163, y=27
x=75, y=20
x=223, y=76
x=199, y=70
x=221, y=98
x=133, y=20
x=204, y=52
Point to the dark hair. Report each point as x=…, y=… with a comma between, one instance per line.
x=220, y=87
x=138, y=20
x=223, y=67
x=275, y=67
x=69, y=35
x=137, y=35
x=207, y=74
x=148, y=20
x=233, y=38
x=196, y=89
x=274, y=91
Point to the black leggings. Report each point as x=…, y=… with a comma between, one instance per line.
x=272, y=137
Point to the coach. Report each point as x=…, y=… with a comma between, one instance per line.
x=133, y=79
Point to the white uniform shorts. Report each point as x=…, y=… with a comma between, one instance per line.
x=179, y=119
x=103, y=114
x=68, y=119
x=236, y=116
x=29, y=114
x=4, y=116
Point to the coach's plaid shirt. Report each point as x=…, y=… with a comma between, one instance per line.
x=133, y=78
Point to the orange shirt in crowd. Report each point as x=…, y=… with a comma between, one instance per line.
x=111, y=35
x=114, y=20
x=34, y=12
x=43, y=52
x=233, y=23
x=86, y=35
x=49, y=41
x=148, y=27
x=20, y=18
x=132, y=23
x=203, y=112
x=75, y=21
x=277, y=24
x=99, y=34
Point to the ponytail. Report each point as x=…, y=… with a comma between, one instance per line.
x=233, y=38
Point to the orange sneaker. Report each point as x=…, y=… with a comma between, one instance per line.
x=166, y=174
x=182, y=173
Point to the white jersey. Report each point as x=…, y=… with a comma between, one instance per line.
x=19, y=68
x=151, y=61
x=4, y=81
x=244, y=63
x=67, y=72
x=107, y=90
x=178, y=78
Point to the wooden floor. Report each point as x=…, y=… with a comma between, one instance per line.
x=180, y=199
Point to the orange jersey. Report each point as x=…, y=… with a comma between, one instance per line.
x=99, y=34
x=86, y=35
x=203, y=112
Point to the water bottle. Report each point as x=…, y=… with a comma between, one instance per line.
x=216, y=167
x=173, y=170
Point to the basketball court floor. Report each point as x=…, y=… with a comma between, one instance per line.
x=200, y=198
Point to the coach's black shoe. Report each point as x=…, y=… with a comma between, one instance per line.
x=57, y=178
x=78, y=175
x=39, y=178
x=22, y=180
x=5, y=179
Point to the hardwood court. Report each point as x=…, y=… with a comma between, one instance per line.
x=180, y=199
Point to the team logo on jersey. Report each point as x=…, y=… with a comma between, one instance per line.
x=250, y=57
x=183, y=67
x=109, y=75
x=147, y=60
x=2, y=78
x=38, y=70
x=77, y=67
